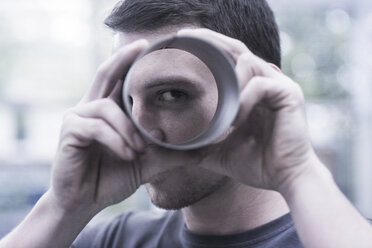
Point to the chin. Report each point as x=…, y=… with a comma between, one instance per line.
x=182, y=187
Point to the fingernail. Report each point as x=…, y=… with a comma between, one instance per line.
x=138, y=141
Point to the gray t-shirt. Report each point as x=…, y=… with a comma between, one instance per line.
x=143, y=229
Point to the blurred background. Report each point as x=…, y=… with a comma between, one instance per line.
x=50, y=49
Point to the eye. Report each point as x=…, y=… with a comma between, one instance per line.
x=172, y=96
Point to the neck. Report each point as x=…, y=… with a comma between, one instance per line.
x=234, y=208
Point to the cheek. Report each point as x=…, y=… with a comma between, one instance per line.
x=176, y=126
x=180, y=127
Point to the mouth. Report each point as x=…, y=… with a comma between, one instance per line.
x=158, y=163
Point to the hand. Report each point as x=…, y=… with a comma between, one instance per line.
x=268, y=147
x=101, y=158
x=96, y=150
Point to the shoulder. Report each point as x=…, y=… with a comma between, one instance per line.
x=130, y=229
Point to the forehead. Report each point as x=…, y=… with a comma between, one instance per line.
x=124, y=38
x=168, y=64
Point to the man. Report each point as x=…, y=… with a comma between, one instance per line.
x=237, y=192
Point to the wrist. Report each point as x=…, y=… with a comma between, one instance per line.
x=314, y=175
x=63, y=211
x=55, y=226
x=321, y=213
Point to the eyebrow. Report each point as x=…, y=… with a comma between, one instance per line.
x=173, y=81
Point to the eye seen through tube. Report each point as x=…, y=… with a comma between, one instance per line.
x=173, y=95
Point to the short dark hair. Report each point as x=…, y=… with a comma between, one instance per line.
x=250, y=21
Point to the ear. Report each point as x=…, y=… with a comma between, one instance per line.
x=275, y=67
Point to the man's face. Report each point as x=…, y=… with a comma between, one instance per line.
x=173, y=92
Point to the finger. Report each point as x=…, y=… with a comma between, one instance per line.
x=250, y=65
x=232, y=46
x=116, y=94
x=272, y=93
x=113, y=115
x=82, y=132
x=247, y=64
x=114, y=69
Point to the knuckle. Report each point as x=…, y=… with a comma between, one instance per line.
x=245, y=58
x=233, y=51
x=237, y=47
x=67, y=115
x=96, y=128
x=103, y=107
x=68, y=126
x=68, y=141
x=239, y=44
x=110, y=109
x=108, y=103
x=258, y=82
x=298, y=94
x=122, y=52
